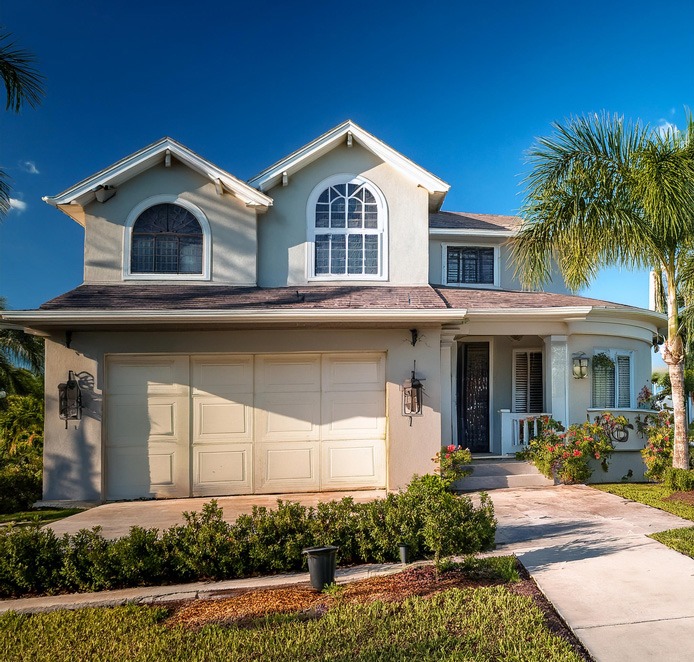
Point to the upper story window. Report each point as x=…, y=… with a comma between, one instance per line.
x=347, y=218
x=167, y=240
x=612, y=380
x=470, y=265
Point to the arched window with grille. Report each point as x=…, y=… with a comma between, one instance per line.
x=346, y=223
x=168, y=240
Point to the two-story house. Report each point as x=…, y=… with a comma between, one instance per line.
x=237, y=337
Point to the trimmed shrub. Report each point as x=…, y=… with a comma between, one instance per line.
x=432, y=520
x=679, y=480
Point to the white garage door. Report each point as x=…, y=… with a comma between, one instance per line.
x=237, y=424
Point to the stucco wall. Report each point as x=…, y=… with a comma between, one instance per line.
x=282, y=231
x=74, y=456
x=232, y=225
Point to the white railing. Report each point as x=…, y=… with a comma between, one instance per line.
x=518, y=429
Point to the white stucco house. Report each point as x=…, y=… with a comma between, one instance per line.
x=236, y=337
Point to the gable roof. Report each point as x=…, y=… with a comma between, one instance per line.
x=450, y=222
x=72, y=200
x=348, y=130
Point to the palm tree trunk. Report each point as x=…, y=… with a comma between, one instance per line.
x=673, y=355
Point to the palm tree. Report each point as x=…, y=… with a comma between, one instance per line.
x=23, y=85
x=21, y=361
x=604, y=192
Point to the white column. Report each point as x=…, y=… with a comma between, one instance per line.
x=447, y=377
x=557, y=377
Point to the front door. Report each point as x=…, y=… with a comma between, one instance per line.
x=473, y=395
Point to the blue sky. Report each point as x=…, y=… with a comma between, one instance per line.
x=462, y=88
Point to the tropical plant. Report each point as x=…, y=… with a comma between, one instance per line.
x=453, y=463
x=23, y=85
x=21, y=361
x=601, y=192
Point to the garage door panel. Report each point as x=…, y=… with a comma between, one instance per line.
x=355, y=464
x=138, y=375
x=287, y=416
x=353, y=415
x=138, y=420
x=223, y=470
x=280, y=374
x=222, y=375
x=219, y=419
x=345, y=372
x=145, y=472
x=294, y=466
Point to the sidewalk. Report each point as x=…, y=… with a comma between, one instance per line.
x=625, y=596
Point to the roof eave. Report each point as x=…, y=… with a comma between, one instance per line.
x=83, y=192
x=272, y=176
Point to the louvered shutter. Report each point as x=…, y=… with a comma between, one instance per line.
x=603, y=386
x=520, y=389
x=624, y=381
x=528, y=395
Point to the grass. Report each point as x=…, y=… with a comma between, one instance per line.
x=654, y=495
x=489, y=623
x=650, y=494
x=41, y=515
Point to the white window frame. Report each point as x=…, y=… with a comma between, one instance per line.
x=613, y=353
x=497, y=264
x=128, y=232
x=527, y=350
x=381, y=231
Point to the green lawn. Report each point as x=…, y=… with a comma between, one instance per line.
x=654, y=495
x=482, y=624
x=42, y=515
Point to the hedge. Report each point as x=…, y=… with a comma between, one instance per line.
x=426, y=515
x=679, y=480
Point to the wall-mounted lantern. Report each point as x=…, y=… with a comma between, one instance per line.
x=580, y=365
x=70, y=399
x=412, y=394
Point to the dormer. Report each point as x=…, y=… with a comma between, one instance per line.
x=166, y=214
x=347, y=209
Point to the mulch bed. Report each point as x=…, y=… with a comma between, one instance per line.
x=683, y=497
x=243, y=606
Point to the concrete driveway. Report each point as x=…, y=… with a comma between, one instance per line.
x=626, y=596
x=115, y=519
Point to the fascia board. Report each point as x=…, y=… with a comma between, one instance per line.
x=302, y=157
x=29, y=318
x=471, y=233
x=136, y=163
x=570, y=313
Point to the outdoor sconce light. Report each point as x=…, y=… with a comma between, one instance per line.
x=580, y=366
x=412, y=393
x=70, y=399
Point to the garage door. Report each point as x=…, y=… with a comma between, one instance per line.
x=238, y=424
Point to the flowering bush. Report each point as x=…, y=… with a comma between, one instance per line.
x=453, y=463
x=659, y=432
x=566, y=454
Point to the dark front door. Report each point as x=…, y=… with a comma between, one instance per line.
x=473, y=395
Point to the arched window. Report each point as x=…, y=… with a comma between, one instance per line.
x=346, y=223
x=166, y=239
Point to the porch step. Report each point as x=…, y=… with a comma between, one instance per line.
x=497, y=473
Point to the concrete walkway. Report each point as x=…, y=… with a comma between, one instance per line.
x=627, y=597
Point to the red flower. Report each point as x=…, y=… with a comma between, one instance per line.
x=450, y=447
x=577, y=453
x=565, y=455
x=448, y=455
x=597, y=456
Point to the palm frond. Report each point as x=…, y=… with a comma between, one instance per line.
x=23, y=83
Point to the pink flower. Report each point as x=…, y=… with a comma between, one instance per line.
x=577, y=453
x=565, y=455
x=597, y=456
x=450, y=447
x=448, y=455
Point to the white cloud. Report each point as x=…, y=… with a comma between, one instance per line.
x=18, y=205
x=29, y=166
x=664, y=127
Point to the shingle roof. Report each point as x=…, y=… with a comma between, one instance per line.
x=457, y=220
x=491, y=299
x=159, y=297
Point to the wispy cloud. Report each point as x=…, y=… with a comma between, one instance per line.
x=664, y=127
x=17, y=205
x=29, y=166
